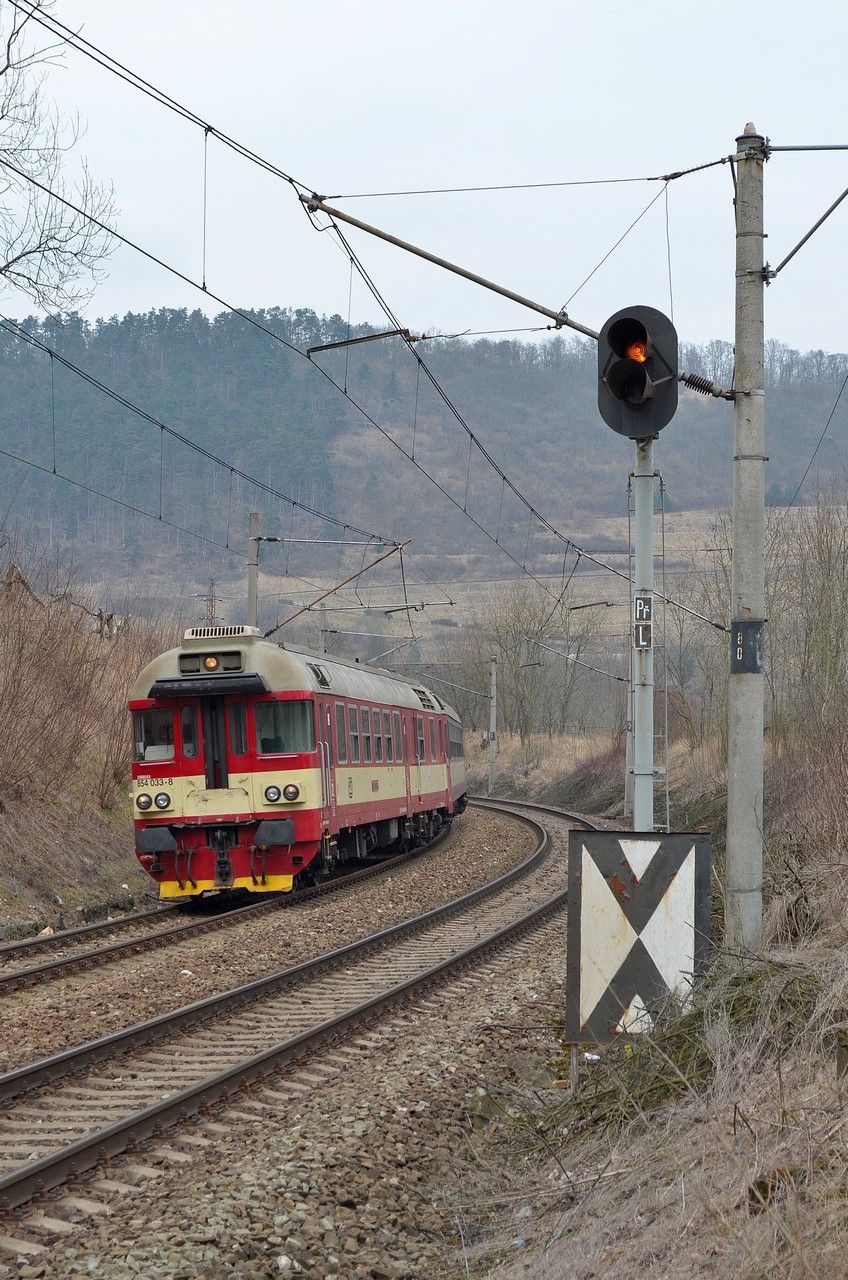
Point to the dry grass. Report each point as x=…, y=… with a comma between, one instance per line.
x=546, y=768
x=65, y=823
x=718, y=1146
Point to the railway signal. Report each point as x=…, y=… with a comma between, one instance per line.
x=637, y=397
x=637, y=372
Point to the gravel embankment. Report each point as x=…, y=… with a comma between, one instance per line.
x=361, y=1176
x=43, y=1020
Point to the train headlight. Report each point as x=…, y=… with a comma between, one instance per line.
x=211, y=662
x=162, y=800
x=143, y=801
x=292, y=791
x=272, y=794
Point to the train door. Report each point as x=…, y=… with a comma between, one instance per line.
x=240, y=756
x=444, y=743
x=401, y=754
x=420, y=754
x=325, y=750
x=214, y=744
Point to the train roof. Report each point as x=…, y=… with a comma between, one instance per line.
x=280, y=668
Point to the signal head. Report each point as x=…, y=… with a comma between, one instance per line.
x=637, y=372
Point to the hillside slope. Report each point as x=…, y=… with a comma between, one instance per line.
x=261, y=407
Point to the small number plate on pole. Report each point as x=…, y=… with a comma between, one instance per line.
x=643, y=608
x=746, y=647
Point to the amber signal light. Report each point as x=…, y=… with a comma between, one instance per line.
x=637, y=372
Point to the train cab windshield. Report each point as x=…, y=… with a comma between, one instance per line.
x=283, y=727
x=153, y=735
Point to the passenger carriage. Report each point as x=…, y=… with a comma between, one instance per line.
x=256, y=763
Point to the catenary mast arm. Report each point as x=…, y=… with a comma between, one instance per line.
x=560, y=318
x=337, y=587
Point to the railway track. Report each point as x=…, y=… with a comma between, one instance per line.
x=47, y=942
x=66, y=1113
x=77, y=953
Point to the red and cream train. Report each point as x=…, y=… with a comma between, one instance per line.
x=256, y=763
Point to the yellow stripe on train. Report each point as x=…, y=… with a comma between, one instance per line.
x=272, y=884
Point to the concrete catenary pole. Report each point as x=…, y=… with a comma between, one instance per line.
x=642, y=646
x=253, y=572
x=743, y=890
x=493, y=725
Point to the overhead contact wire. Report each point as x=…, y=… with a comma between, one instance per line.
x=136, y=81
x=568, y=542
x=251, y=320
x=611, y=251
x=531, y=186
x=17, y=331
x=109, y=63
x=813, y=456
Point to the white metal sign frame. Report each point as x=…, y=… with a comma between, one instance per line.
x=638, y=928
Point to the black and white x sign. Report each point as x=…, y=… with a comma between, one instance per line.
x=638, y=919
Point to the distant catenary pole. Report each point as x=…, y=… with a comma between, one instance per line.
x=493, y=725
x=322, y=628
x=743, y=890
x=253, y=572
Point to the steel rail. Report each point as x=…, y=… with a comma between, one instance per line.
x=78, y=961
x=37, y=1176
x=583, y=819
x=22, y=1079
x=64, y=937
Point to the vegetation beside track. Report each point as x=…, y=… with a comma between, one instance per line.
x=722, y=1134
x=66, y=842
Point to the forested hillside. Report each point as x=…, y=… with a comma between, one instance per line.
x=234, y=390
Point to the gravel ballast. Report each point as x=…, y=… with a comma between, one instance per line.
x=351, y=1168
x=41, y=1021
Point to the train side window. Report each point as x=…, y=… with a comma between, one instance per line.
x=353, y=725
x=419, y=737
x=387, y=734
x=378, y=736
x=237, y=728
x=455, y=742
x=188, y=731
x=366, y=735
x=398, y=739
x=283, y=727
x=329, y=737
x=153, y=735
x=432, y=739
x=341, y=733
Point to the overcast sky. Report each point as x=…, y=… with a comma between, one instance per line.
x=380, y=95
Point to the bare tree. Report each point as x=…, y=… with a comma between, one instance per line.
x=48, y=250
x=535, y=688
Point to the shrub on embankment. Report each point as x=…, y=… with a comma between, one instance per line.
x=723, y=1133
x=65, y=747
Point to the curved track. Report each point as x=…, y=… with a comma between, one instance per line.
x=66, y=1113
x=46, y=942
x=148, y=935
